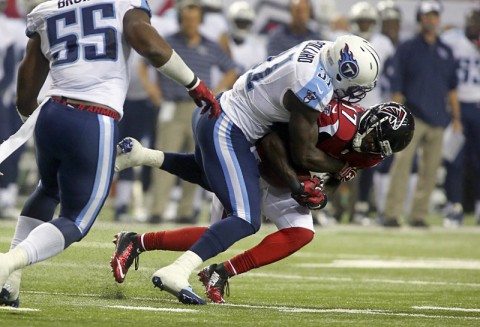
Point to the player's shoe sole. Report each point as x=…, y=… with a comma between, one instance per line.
x=185, y=295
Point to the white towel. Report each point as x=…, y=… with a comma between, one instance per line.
x=22, y=135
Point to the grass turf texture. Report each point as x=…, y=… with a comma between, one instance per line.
x=347, y=276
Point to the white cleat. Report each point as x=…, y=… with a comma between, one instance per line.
x=172, y=280
x=11, y=290
x=4, y=269
x=131, y=153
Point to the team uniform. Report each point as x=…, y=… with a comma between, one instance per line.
x=337, y=125
x=12, y=48
x=250, y=108
x=76, y=148
x=468, y=72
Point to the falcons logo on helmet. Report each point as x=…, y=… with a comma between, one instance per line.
x=396, y=115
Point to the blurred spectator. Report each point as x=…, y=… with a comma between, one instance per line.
x=339, y=26
x=466, y=49
x=245, y=48
x=363, y=22
x=12, y=48
x=139, y=121
x=287, y=36
x=424, y=79
x=214, y=25
x=390, y=20
x=175, y=128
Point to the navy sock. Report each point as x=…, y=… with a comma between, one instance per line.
x=221, y=235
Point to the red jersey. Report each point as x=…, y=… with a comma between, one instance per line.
x=337, y=125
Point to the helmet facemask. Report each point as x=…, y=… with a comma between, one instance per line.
x=384, y=129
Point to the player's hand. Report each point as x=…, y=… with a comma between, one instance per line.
x=200, y=94
x=347, y=173
x=310, y=194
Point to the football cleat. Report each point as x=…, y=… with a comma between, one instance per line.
x=215, y=279
x=129, y=154
x=126, y=251
x=170, y=280
x=6, y=299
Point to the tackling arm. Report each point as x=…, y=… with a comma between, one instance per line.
x=32, y=74
x=303, y=137
x=277, y=156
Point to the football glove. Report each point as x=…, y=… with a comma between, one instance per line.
x=201, y=93
x=310, y=194
x=346, y=174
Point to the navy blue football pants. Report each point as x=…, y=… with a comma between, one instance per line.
x=224, y=164
x=75, y=157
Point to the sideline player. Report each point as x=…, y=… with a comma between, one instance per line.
x=86, y=48
x=362, y=139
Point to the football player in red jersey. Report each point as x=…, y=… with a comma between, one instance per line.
x=361, y=138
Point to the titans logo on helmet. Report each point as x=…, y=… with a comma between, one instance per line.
x=347, y=64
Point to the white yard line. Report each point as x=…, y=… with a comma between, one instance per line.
x=125, y=307
x=446, y=309
x=18, y=309
x=398, y=264
x=271, y=307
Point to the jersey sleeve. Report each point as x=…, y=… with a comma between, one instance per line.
x=312, y=85
x=36, y=18
x=141, y=4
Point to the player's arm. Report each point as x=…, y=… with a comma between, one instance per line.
x=31, y=76
x=277, y=155
x=143, y=37
x=303, y=137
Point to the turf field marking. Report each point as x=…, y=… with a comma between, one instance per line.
x=365, y=280
x=125, y=307
x=350, y=311
x=261, y=307
x=18, y=309
x=446, y=308
x=397, y=264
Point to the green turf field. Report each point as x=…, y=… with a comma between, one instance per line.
x=348, y=276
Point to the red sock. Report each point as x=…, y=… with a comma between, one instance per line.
x=171, y=240
x=274, y=247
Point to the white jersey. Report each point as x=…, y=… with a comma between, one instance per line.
x=248, y=54
x=385, y=49
x=255, y=101
x=468, y=72
x=86, y=48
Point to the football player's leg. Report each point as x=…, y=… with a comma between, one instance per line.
x=295, y=226
x=232, y=173
x=39, y=208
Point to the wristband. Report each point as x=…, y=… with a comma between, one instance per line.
x=176, y=69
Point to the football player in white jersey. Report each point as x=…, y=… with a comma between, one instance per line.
x=246, y=48
x=85, y=46
x=293, y=87
x=465, y=45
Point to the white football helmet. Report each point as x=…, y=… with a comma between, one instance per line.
x=388, y=9
x=240, y=18
x=363, y=16
x=352, y=63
